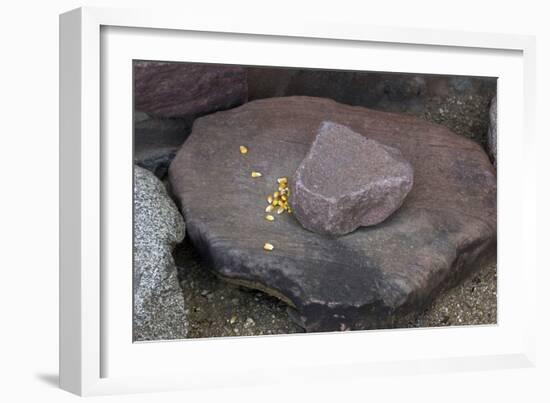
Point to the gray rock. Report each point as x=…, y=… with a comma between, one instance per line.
x=347, y=181
x=156, y=141
x=186, y=90
x=492, y=132
x=151, y=131
x=156, y=159
x=445, y=229
x=159, y=311
x=403, y=87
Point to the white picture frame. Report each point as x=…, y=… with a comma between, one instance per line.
x=97, y=355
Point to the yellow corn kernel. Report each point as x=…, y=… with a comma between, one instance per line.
x=269, y=217
x=282, y=180
x=243, y=149
x=269, y=209
x=280, y=210
x=270, y=199
x=276, y=195
x=255, y=174
x=268, y=246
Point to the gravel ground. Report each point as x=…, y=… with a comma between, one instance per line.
x=467, y=115
x=473, y=302
x=217, y=308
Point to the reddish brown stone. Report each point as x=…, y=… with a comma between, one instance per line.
x=186, y=90
x=347, y=181
x=365, y=279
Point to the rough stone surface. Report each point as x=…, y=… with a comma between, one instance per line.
x=159, y=311
x=185, y=90
x=492, y=133
x=347, y=181
x=445, y=228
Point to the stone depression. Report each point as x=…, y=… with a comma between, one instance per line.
x=366, y=279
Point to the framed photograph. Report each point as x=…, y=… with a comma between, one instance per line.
x=241, y=201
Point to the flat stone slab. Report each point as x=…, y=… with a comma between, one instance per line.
x=347, y=181
x=363, y=280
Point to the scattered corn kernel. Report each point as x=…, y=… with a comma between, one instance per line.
x=279, y=199
x=255, y=174
x=268, y=246
x=269, y=217
x=243, y=149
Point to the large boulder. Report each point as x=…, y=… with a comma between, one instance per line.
x=186, y=90
x=347, y=181
x=365, y=279
x=159, y=311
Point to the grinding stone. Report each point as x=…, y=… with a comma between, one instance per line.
x=445, y=227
